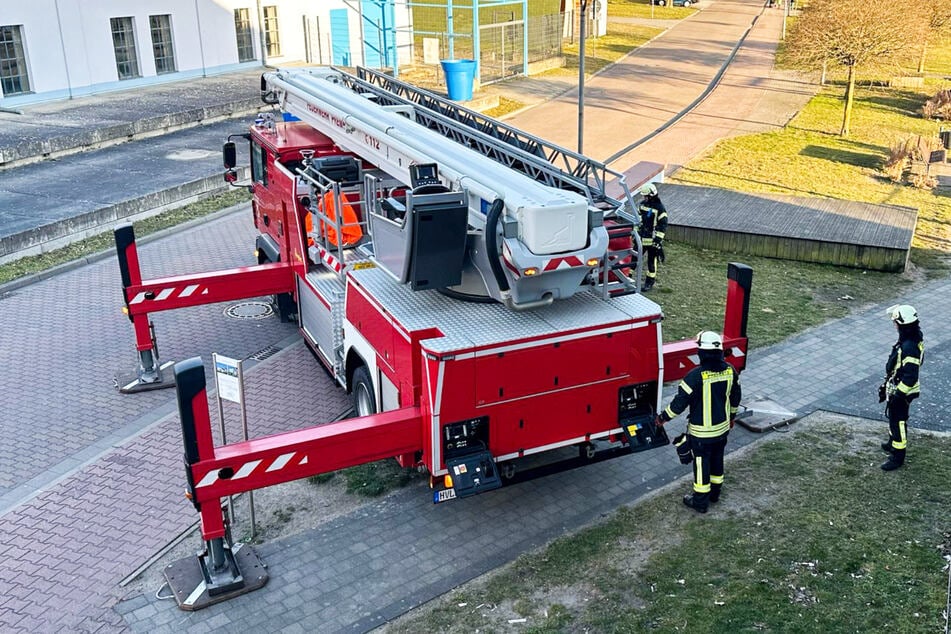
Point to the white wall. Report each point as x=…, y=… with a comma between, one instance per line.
x=69, y=51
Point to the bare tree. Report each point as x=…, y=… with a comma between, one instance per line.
x=858, y=34
x=938, y=14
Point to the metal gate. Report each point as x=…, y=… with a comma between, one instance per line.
x=501, y=50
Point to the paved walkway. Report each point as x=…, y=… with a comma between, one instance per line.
x=93, y=480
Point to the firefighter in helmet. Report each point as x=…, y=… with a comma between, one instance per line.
x=652, y=231
x=712, y=392
x=901, y=381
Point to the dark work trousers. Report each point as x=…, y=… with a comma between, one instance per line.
x=897, y=411
x=650, y=255
x=707, y=468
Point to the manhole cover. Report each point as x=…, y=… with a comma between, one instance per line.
x=250, y=310
x=190, y=155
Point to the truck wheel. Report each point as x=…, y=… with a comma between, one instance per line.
x=364, y=401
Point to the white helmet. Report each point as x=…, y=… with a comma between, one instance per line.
x=902, y=314
x=648, y=190
x=709, y=340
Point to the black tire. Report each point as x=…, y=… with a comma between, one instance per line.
x=364, y=400
x=283, y=302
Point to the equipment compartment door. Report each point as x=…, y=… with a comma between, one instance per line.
x=555, y=366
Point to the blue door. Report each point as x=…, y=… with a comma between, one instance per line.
x=379, y=33
x=340, y=37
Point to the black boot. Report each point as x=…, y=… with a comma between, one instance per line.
x=887, y=446
x=894, y=461
x=648, y=284
x=715, y=493
x=697, y=502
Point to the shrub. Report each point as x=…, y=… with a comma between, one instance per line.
x=938, y=107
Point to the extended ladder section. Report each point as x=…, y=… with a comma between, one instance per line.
x=541, y=160
x=547, y=240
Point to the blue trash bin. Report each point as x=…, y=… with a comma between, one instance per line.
x=460, y=73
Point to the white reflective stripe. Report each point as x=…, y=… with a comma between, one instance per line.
x=165, y=293
x=138, y=298
x=736, y=352
x=694, y=359
x=281, y=461
x=197, y=592
x=210, y=478
x=246, y=469
x=189, y=290
x=303, y=461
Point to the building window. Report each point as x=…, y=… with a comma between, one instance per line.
x=242, y=29
x=271, y=34
x=161, y=28
x=13, y=73
x=123, y=41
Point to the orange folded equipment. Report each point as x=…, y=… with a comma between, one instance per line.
x=352, y=232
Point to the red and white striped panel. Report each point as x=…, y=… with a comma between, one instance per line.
x=171, y=292
x=329, y=259
x=293, y=459
x=568, y=262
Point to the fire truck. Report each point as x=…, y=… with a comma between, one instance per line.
x=474, y=288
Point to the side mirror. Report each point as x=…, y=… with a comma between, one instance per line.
x=230, y=156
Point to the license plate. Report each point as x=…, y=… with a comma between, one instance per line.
x=444, y=495
x=357, y=266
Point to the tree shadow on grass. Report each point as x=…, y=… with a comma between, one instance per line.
x=903, y=101
x=839, y=155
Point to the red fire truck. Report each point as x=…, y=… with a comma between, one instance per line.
x=473, y=287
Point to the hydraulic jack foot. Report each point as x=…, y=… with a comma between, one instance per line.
x=140, y=381
x=196, y=583
x=148, y=376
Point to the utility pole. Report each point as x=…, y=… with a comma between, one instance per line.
x=261, y=35
x=581, y=53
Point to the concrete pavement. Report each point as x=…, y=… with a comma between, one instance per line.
x=59, y=128
x=93, y=484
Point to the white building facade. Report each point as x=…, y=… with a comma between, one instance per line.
x=60, y=49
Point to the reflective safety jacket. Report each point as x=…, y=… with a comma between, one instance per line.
x=653, y=220
x=903, y=364
x=713, y=395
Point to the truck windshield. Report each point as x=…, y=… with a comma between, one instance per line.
x=258, y=164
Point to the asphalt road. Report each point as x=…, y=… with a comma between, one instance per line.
x=62, y=189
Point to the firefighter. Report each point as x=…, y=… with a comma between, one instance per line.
x=652, y=231
x=712, y=391
x=901, y=381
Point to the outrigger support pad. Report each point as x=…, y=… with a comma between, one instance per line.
x=148, y=375
x=220, y=571
x=196, y=584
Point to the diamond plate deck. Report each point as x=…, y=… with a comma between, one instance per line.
x=468, y=325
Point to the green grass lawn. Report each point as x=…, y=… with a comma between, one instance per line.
x=808, y=158
x=768, y=558
x=787, y=297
